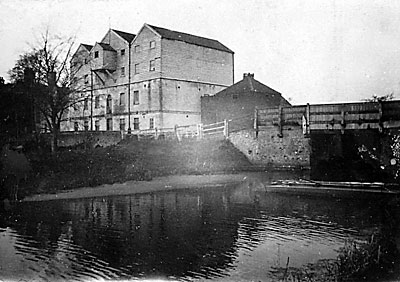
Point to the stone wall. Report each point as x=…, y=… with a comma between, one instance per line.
x=271, y=149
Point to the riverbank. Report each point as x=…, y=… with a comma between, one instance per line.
x=165, y=183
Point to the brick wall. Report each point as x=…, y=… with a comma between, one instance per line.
x=196, y=63
x=292, y=150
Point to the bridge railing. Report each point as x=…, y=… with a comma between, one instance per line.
x=332, y=116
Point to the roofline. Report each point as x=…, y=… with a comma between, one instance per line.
x=116, y=32
x=149, y=27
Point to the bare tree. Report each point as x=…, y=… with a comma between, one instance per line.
x=383, y=98
x=52, y=82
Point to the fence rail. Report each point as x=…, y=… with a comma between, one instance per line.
x=332, y=116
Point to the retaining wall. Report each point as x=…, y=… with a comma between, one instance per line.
x=269, y=148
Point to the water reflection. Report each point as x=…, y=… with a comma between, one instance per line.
x=224, y=234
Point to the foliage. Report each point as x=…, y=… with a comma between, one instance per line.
x=383, y=98
x=47, y=75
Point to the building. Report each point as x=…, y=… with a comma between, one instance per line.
x=150, y=80
x=238, y=102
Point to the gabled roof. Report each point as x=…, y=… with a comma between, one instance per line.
x=125, y=35
x=106, y=47
x=87, y=46
x=191, y=39
x=249, y=85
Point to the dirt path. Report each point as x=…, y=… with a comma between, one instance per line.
x=132, y=187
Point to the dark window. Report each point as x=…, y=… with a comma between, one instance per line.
x=136, y=97
x=109, y=124
x=123, y=71
x=86, y=78
x=85, y=104
x=76, y=126
x=86, y=125
x=97, y=125
x=136, y=123
x=122, y=52
x=109, y=105
x=122, y=99
x=96, y=54
x=152, y=65
x=151, y=126
x=122, y=124
x=235, y=96
x=97, y=102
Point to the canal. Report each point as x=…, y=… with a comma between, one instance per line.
x=232, y=233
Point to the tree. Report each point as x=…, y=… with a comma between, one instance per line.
x=47, y=75
x=383, y=98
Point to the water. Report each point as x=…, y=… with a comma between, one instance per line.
x=222, y=234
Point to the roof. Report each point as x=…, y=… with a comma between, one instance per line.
x=249, y=85
x=191, y=39
x=87, y=46
x=106, y=47
x=125, y=35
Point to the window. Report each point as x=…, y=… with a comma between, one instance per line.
x=109, y=124
x=235, y=96
x=136, y=97
x=86, y=78
x=76, y=126
x=152, y=65
x=86, y=125
x=122, y=52
x=122, y=124
x=122, y=99
x=96, y=54
x=97, y=125
x=136, y=123
x=97, y=102
x=137, y=48
x=152, y=44
x=85, y=104
x=123, y=71
x=151, y=126
x=109, y=105
x=136, y=68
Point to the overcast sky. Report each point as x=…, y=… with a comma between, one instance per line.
x=316, y=51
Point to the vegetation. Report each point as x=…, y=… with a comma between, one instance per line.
x=129, y=160
x=368, y=260
x=48, y=81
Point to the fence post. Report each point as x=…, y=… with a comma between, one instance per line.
x=380, y=116
x=256, y=121
x=200, y=131
x=308, y=118
x=226, y=133
x=280, y=122
x=343, y=120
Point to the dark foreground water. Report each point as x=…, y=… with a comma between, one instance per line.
x=220, y=234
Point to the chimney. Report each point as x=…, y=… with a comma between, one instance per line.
x=248, y=75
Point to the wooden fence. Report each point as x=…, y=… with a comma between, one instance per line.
x=332, y=116
x=198, y=131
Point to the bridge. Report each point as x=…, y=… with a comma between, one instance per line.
x=326, y=137
x=347, y=116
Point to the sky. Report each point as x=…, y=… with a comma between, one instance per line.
x=311, y=51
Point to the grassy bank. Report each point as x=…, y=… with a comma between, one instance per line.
x=130, y=160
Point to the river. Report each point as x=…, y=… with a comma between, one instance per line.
x=232, y=233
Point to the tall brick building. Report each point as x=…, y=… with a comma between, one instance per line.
x=150, y=80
